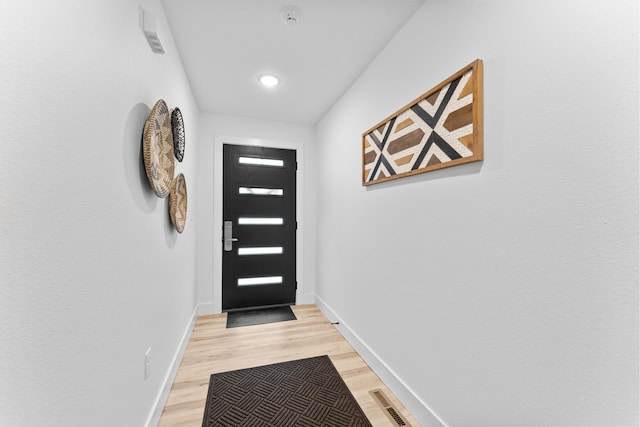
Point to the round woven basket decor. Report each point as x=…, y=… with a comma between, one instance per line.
x=177, y=125
x=157, y=149
x=178, y=203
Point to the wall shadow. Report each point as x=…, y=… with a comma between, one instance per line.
x=170, y=232
x=460, y=170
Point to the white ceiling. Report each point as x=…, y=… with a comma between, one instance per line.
x=226, y=44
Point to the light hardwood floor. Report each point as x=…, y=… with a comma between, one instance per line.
x=213, y=348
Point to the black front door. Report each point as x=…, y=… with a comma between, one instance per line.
x=259, y=227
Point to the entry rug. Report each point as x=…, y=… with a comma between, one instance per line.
x=306, y=392
x=259, y=316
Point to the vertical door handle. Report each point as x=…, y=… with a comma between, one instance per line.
x=227, y=236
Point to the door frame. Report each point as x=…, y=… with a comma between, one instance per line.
x=219, y=140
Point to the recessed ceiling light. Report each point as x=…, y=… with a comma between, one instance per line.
x=269, y=80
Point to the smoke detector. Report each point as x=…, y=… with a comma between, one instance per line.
x=291, y=15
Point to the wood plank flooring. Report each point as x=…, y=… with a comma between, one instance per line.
x=213, y=348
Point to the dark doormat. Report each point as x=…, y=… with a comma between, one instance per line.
x=306, y=392
x=259, y=316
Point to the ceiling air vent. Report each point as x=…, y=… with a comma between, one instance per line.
x=149, y=29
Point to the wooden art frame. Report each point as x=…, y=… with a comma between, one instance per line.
x=441, y=128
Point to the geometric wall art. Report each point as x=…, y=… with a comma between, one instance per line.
x=441, y=128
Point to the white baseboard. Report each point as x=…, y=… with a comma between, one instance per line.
x=210, y=308
x=418, y=408
x=207, y=309
x=305, y=299
x=161, y=400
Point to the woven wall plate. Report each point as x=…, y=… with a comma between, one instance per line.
x=178, y=202
x=157, y=149
x=177, y=125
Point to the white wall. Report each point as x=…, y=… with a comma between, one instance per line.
x=218, y=129
x=504, y=292
x=92, y=273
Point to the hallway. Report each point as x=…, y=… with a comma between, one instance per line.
x=495, y=293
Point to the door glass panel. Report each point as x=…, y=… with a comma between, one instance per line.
x=255, y=191
x=260, y=221
x=260, y=251
x=255, y=161
x=256, y=281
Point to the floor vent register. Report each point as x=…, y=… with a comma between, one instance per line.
x=390, y=411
